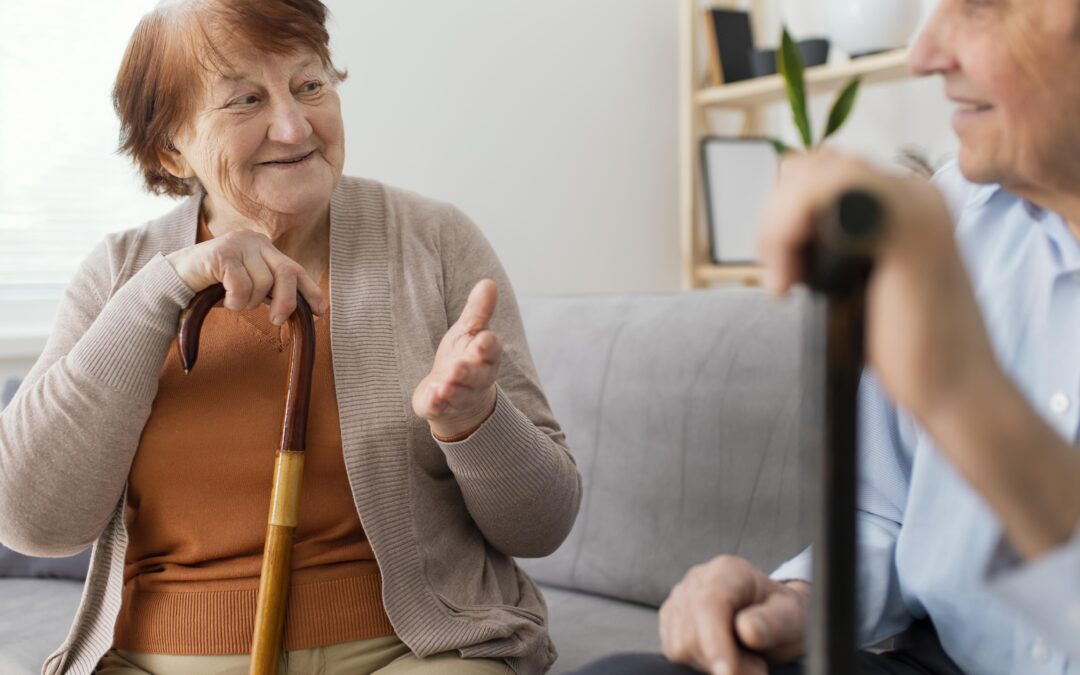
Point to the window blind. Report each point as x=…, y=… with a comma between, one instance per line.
x=62, y=183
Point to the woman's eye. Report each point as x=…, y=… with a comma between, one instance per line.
x=311, y=87
x=250, y=99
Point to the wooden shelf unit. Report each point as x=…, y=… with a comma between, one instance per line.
x=748, y=97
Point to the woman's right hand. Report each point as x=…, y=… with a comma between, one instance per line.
x=251, y=269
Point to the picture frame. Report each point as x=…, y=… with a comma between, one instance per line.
x=737, y=173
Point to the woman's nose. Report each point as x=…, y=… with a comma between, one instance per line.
x=288, y=123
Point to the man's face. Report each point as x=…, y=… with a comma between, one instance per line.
x=1013, y=68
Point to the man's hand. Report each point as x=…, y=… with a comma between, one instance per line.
x=726, y=617
x=458, y=395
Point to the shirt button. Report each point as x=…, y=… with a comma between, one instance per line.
x=1040, y=653
x=1059, y=403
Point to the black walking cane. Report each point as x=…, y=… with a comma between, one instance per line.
x=288, y=471
x=838, y=263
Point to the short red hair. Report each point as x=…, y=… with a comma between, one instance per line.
x=172, y=49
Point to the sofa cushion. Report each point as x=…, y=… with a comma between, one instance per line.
x=587, y=627
x=682, y=411
x=35, y=620
x=14, y=564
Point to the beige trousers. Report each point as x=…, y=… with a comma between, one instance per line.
x=385, y=656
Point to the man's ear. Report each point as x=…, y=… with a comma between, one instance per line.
x=174, y=161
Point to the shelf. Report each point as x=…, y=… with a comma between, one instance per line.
x=748, y=275
x=886, y=67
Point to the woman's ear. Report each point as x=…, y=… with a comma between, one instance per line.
x=173, y=160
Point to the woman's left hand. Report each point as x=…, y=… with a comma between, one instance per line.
x=458, y=395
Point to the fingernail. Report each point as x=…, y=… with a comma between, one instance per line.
x=720, y=667
x=761, y=628
x=277, y=320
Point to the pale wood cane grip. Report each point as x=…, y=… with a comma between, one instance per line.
x=273, y=595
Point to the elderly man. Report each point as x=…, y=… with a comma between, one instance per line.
x=970, y=499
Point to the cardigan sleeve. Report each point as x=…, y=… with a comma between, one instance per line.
x=518, y=478
x=68, y=437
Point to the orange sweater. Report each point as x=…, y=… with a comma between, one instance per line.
x=199, y=494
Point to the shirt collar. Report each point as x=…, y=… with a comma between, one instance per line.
x=1065, y=245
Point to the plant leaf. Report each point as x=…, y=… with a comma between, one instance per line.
x=842, y=107
x=780, y=146
x=790, y=64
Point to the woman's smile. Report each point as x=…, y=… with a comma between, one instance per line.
x=289, y=162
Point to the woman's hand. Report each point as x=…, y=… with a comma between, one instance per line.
x=925, y=335
x=458, y=395
x=251, y=268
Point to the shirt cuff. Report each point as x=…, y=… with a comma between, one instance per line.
x=1045, y=591
x=507, y=448
x=799, y=568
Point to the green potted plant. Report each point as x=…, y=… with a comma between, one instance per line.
x=790, y=64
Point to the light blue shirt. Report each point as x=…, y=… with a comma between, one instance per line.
x=929, y=545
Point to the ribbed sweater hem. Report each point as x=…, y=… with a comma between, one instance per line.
x=202, y=623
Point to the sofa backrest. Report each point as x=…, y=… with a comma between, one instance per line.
x=682, y=411
x=7, y=391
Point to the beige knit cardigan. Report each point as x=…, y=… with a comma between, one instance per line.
x=443, y=519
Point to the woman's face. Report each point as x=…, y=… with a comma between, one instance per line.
x=1013, y=67
x=266, y=140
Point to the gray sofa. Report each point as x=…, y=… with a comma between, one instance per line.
x=682, y=412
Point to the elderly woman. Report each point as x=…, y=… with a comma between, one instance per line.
x=432, y=454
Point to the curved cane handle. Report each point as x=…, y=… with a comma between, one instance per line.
x=288, y=472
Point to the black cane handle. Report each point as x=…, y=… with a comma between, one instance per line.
x=838, y=259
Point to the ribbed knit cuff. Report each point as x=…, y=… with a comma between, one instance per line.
x=508, y=452
x=125, y=346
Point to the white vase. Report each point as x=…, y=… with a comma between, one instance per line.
x=803, y=19
x=860, y=27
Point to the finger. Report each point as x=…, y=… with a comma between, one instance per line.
x=262, y=280
x=311, y=291
x=427, y=403
x=237, y=284
x=480, y=306
x=676, y=637
x=777, y=627
x=486, y=347
x=284, y=302
x=806, y=185
x=279, y=263
x=716, y=650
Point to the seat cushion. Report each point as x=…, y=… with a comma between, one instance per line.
x=35, y=615
x=587, y=627
x=682, y=411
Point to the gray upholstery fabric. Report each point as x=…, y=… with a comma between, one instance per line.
x=586, y=627
x=682, y=412
x=35, y=615
x=14, y=564
x=7, y=392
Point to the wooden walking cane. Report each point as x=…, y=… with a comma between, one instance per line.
x=838, y=264
x=288, y=471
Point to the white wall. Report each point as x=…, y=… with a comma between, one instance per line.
x=552, y=124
